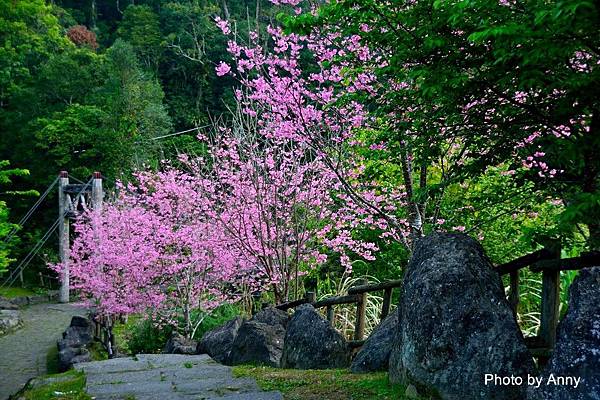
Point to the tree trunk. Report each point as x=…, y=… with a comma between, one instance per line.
x=93, y=14
x=414, y=215
x=225, y=9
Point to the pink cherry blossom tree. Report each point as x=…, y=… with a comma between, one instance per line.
x=319, y=108
x=152, y=249
x=278, y=203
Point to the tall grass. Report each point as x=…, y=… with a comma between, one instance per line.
x=528, y=312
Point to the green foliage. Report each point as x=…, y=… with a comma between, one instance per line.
x=133, y=98
x=76, y=140
x=6, y=227
x=142, y=335
x=191, y=45
x=52, y=360
x=12, y=292
x=97, y=351
x=29, y=34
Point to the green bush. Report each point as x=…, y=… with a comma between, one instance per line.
x=144, y=336
x=218, y=317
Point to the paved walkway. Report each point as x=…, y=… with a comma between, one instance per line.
x=168, y=376
x=23, y=353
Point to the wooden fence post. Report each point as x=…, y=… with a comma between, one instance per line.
x=361, y=311
x=387, y=303
x=513, y=296
x=550, y=301
x=311, y=297
x=330, y=314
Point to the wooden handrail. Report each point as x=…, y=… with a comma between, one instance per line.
x=331, y=301
x=585, y=260
x=356, y=295
x=524, y=261
x=375, y=287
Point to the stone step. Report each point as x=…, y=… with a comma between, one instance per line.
x=158, y=374
x=196, y=386
x=168, y=376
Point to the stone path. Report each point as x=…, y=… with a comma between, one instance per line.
x=168, y=376
x=23, y=353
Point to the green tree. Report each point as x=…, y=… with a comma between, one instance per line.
x=140, y=27
x=29, y=34
x=77, y=140
x=471, y=84
x=7, y=239
x=134, y=101
x=186, y=69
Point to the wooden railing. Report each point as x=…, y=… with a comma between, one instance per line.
x=102, y=328
x=356, y=295
x=547, y=261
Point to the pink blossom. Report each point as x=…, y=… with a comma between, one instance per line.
x=223, y=25
x=222, y=69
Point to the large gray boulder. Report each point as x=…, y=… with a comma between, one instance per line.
x=179, y=344
x=69, y=356
x=312, y=343
x=72, y=348
x=456, y=325
x=375, y=353
x=577, y=351
x=257, y=343
x=217, y=343
x=272, y=316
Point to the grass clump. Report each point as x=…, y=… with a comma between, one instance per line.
x=336, y=384
x=97, y=351
x=66, y=386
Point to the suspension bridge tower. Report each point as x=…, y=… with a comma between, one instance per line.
x=72, y=199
